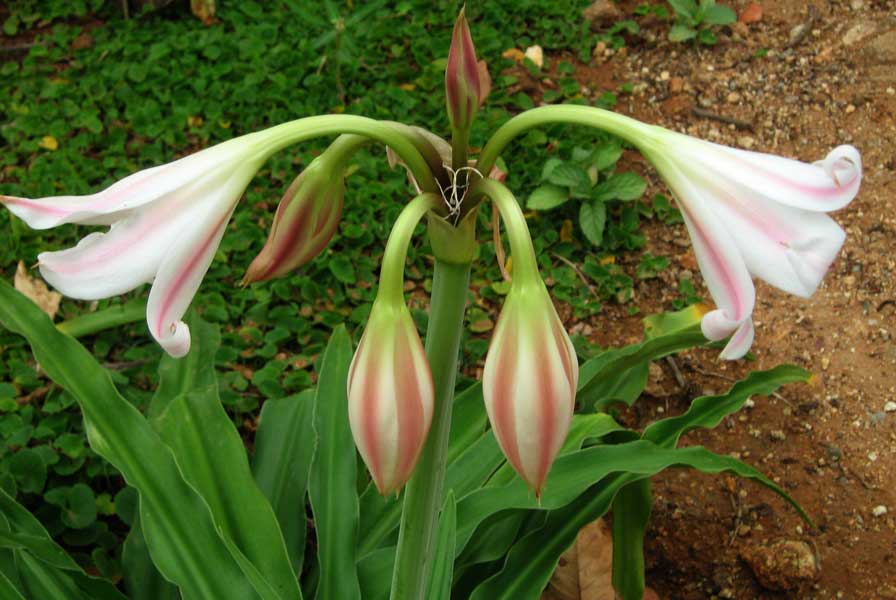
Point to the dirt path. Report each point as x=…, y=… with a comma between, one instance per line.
x=828, y=78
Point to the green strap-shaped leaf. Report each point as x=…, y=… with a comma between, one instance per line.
x=631, y=512
x=142, y=579
x=332, y=486
x=284, y=446
x=23, y=533
x=620, y=374
x=8, y=590
x=375, y=573
x=443, y=560
x=212, y=458
x=708, y=411
x=468, y=421
x=532, y=560
x=574, y=473
x=43, y=581
x=178, y=525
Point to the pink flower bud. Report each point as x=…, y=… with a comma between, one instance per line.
x=462, y=77
x=529, y=383
x=390, y=396
x=306, y=219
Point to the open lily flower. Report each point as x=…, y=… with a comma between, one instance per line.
x=166, y=221
x=752, y=214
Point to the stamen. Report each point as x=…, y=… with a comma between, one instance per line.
x=455, y=199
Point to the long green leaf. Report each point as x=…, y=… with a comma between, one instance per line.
x=24, y=533
x=131, y=311
x=443, y=560
x=284, y=446
x=708, y=411
x=574, y=473
x=142, y=579
x=332, y=484
x=212, y=458
x=8, y=590
x=375, y=573
x=178, y=525
x=631, y=513
x=620, y=374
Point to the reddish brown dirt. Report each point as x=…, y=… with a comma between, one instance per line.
x=832, y=445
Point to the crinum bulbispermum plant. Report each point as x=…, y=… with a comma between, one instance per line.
x=453, y=508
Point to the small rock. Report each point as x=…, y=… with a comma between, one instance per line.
x=795, y=34
x=676, y=84
x=857, y=4
x=778, y=435
x=601, y=11
x=879, y=511
x=664, y=76
x=883, y=48
x=850, y=109
x=890, y=406
x=746, y=141
x=782, y=565
x=733, y=98
x=858, y=32
x=751, y=14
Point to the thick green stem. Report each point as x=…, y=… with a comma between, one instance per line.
x=525, y=265
x=635, y=132
x=460, y=138
x=392, y=272
x=278, y=137
x=423, y=496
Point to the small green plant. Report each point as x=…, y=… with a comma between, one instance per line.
x=695, y=21
x=591, y=179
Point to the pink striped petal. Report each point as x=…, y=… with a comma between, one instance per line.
x=824, y=186
x=718, y=256
x=788, y=247
x=127, y=256
x=134, y=191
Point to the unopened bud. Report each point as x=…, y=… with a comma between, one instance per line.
x=462, y=77
x=390, y=396
x=306, y=219
x=529, y=382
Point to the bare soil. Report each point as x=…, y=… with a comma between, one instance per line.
x=828, y=78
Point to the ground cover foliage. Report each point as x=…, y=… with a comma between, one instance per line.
x=97, y=97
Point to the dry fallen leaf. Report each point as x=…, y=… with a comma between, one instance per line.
x=49, y=142
x=514, y=54
x=37, y=291
x=485, y=81
x=204, y=9
x=585, y=571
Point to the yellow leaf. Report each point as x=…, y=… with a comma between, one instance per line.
x=608, y=260
x=566, y=231
x=408, y=87
x=514, y=54
x=49, y=142
x=224, y=124
x=195, y=121
x=508, y=264
x=36, y=290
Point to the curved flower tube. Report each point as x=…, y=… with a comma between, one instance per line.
x=748, y=213
x=167, y=221
x=390, y=386
x=752, y=214
x=531, y=371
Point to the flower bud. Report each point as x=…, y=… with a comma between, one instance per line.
x=529, y=382
x=305, y=222
x=462, y=77
x=390, y=395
